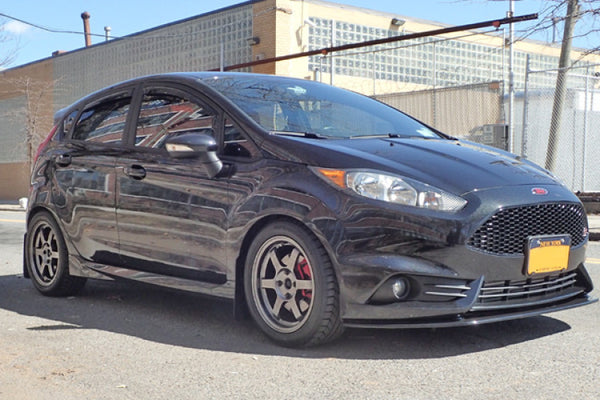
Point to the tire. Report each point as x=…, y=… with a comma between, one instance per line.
x=47, y=259
x=290, y=287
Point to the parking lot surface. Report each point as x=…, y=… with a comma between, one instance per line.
x=124, y=341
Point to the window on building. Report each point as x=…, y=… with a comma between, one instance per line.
x=456, y=61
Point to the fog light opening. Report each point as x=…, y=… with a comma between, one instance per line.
x=400, y=288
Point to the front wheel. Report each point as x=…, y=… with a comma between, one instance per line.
x=291, y=288
x=47, y=258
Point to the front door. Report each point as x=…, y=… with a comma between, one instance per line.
x=171, y=215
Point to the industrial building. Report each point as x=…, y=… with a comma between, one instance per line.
x=404, y=74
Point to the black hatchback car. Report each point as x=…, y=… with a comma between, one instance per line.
x=312, y=207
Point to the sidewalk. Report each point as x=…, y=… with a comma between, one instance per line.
x=10, y=205
x=594, y=226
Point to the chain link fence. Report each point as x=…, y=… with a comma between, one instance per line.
x=459, y=85
x=577, y=142
x=473, y=112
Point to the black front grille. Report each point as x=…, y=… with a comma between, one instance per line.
x=505, y=294
x=506, y=232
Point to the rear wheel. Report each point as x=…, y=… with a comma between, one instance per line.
x=290, y=286
x=47, y=258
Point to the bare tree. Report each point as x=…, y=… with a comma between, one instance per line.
x=9, y=45
x=555, y=13
x=36, y=111
x=579, y=23
x=578, y=20
x=551, y=18
x=37, y=94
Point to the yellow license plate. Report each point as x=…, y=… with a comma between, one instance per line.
x=548, y=254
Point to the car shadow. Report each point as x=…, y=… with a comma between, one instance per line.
x=189, y=320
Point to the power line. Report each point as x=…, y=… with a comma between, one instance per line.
x=46, y=28
x=327, y=50
x=133, y=36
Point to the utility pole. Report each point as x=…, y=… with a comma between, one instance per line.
x=511, y=81
x=561, y=83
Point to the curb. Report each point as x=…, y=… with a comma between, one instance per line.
x=11, y=208
x=18, y=205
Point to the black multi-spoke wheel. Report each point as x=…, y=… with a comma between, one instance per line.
x=290, y=286
x=47, y=258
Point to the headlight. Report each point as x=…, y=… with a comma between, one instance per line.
x=393, y=189
x=381, y=187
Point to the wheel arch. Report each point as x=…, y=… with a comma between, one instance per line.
x=32, y=212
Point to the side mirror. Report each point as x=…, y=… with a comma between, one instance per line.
x=196, y=145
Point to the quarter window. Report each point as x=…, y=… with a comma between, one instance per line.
x=236, y=144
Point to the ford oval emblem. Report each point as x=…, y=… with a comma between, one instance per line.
x=539, y=191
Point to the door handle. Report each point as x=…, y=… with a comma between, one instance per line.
x=63, y=160
x=136, y=172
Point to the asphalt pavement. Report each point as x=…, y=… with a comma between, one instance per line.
x=118, y=340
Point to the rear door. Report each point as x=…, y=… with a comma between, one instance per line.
x=85, y=183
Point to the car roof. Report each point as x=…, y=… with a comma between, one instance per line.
x=194, y=78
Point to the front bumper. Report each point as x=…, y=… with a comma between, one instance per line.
x=471, y=318
x=462, y=268
x=479, y=303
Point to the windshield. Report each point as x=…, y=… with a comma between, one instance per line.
x=282, y=105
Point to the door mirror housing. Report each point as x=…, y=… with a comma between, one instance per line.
x=201, y=146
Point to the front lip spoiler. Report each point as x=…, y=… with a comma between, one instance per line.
x=470, y=319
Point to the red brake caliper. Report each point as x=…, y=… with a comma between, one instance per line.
x=303, y=272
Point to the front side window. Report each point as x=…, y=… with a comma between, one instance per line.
x=104, y=122
x=164, y=115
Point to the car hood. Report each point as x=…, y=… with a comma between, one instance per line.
x=453, y=165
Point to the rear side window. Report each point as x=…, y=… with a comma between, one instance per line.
x=103, y=123
x=164, y=115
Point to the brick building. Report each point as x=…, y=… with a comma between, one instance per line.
x=258, y=30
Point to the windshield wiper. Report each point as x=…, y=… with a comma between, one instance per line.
x=371, y=136
x=401, y=136
x=385, y=136
x=309, y=135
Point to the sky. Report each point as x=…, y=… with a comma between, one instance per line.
x=129, y=16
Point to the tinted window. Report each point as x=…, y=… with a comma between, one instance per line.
x=103, y=123
x=67, y=124
x=164, y=115
x=236, y=143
